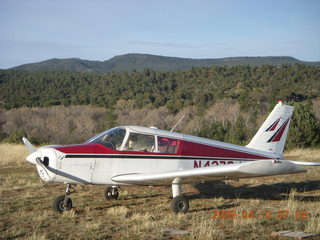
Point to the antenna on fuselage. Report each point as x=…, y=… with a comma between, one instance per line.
x=177, y=123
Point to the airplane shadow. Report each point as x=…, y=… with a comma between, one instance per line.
x=276, y=191
x=224, y=206
x=142, y=196
x=127, y=200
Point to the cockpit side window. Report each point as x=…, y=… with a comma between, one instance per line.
x=140, y=143
x=168, y=145
x=112, y=139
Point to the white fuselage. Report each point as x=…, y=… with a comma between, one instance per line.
x=99, y=168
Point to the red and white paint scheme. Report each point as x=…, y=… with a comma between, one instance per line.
x=148, y=156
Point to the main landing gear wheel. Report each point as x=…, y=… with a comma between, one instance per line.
x=180, y=204
x=59, y=204
x=111, y=193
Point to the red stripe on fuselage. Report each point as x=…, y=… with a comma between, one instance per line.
x=196, y=149
x=87, y=148
x=186, y=148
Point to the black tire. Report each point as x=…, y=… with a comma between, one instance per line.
x=180, y=204
x=108, y=193
x=59, y=202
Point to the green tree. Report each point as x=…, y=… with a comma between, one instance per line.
x=16, y=136
x=110, y=119
x=304, y=128
x=238, y=132
x=213, y=130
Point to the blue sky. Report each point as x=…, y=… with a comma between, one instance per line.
x=36, y=30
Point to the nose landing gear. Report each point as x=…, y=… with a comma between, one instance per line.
x=63, y=202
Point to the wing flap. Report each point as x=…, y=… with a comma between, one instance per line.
x=243, y=170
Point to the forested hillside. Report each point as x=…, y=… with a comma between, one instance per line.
x=139, y=62
x=224, y=103
x=250, y=86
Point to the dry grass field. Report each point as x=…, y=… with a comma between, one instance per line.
x=245, y=209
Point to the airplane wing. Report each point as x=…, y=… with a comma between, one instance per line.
x=231, y=171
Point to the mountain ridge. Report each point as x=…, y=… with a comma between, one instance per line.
x=139, y=62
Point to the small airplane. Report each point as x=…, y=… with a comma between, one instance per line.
x=133, y=155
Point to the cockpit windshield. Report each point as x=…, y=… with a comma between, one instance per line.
x=112, y=138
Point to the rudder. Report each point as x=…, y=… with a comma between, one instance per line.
x=272, y=135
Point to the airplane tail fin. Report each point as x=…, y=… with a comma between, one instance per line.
x=272, y=135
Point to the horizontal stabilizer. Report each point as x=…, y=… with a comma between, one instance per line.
x=301, y=163
x=250, y=169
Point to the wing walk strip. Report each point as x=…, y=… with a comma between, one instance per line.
x=159, y=157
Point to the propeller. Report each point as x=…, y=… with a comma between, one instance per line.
x=28, y=145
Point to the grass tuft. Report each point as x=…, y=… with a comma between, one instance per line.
x=13, y=154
